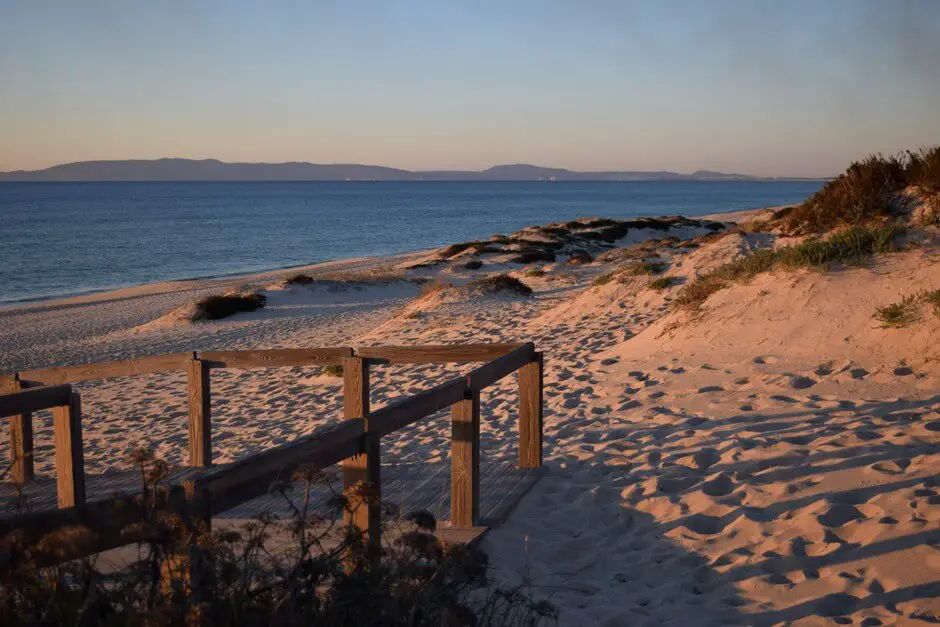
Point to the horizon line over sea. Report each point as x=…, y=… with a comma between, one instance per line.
x=75, y=238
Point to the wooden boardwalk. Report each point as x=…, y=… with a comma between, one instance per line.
x=466, y=493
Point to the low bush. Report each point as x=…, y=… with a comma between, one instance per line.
x=333, y=370
x=580, y=257
x=299, y=279
x=605, y=278
x=535, y=272
x=923, y=169
x=218, y=307
x=534, y=256
x=500, y=283
x=899, y=314
x=853, y=246
x=473, y=264
x=662, y=283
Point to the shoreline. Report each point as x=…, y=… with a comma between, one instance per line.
x=222, y=281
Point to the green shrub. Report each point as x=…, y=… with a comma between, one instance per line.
x=899, y=314
x=500, y=283
x=662, y=283
x=333, y=370
x=605, y=278
x=218, y=307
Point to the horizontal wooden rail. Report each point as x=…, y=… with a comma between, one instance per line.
x=434, y=354
x=35, y=399
x=107, y=370
x=252, y=476
x=396, y=415
x=276, y=358
x=489, y=373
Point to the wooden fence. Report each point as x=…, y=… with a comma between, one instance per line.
x=355, y=442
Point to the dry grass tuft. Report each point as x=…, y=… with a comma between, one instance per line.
x=663, y=283
x=899, y=314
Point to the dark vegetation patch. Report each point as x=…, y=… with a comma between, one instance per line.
x=218, y=307
x=533, y=256
x=869, y=191
x=473, y=264
x=605, y=278
x=535, y=272
x=500, y=283
x=456, y=249
x=580, y=257
x=645, y=268
x=299, y=279
x=333, y=370
x=663, y=283
x=854, y=246
x=933, y=300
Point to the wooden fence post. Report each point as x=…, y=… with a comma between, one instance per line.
x=21, y=438
x=465, y=461
x=69, y=457
x=362, y=481
x=530, y=413
x=200, y=413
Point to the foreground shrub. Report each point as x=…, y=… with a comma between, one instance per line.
x=500, y=283
x=319, y=573
x=218, y=307
x=333, y=370
x=923, y=169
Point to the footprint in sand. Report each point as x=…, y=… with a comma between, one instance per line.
x=802, y=383
x=840, y=514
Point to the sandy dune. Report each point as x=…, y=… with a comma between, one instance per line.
x=771, y=459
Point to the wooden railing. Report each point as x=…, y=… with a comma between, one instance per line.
x=355, y=442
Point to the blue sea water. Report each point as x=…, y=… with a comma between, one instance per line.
x=59, y=239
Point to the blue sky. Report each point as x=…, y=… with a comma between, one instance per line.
x=758, y=86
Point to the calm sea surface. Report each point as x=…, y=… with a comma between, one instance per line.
x=60, y=239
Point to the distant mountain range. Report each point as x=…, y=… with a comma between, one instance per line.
x=214, y=170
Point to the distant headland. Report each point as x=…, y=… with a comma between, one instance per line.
x=214, y=170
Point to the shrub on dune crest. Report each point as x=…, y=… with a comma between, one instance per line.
x=299, y=279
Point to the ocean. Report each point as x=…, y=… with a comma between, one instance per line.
x=62, y=239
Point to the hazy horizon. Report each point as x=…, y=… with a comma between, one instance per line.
x=764, y=87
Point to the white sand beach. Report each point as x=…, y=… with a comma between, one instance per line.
x=771, y=457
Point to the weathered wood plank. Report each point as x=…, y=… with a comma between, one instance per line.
x=465, y=462
x=35, y=399
x=491, y=372
x=435, y=354
x=276, y=358
x=530, y=413
x=22, y=467
x=253, y=476
x=361, y=473
x=200, y=413
x=69, y=456
x=396, y=415
x=106, y=370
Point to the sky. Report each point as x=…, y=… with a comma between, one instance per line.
x=764, y=87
